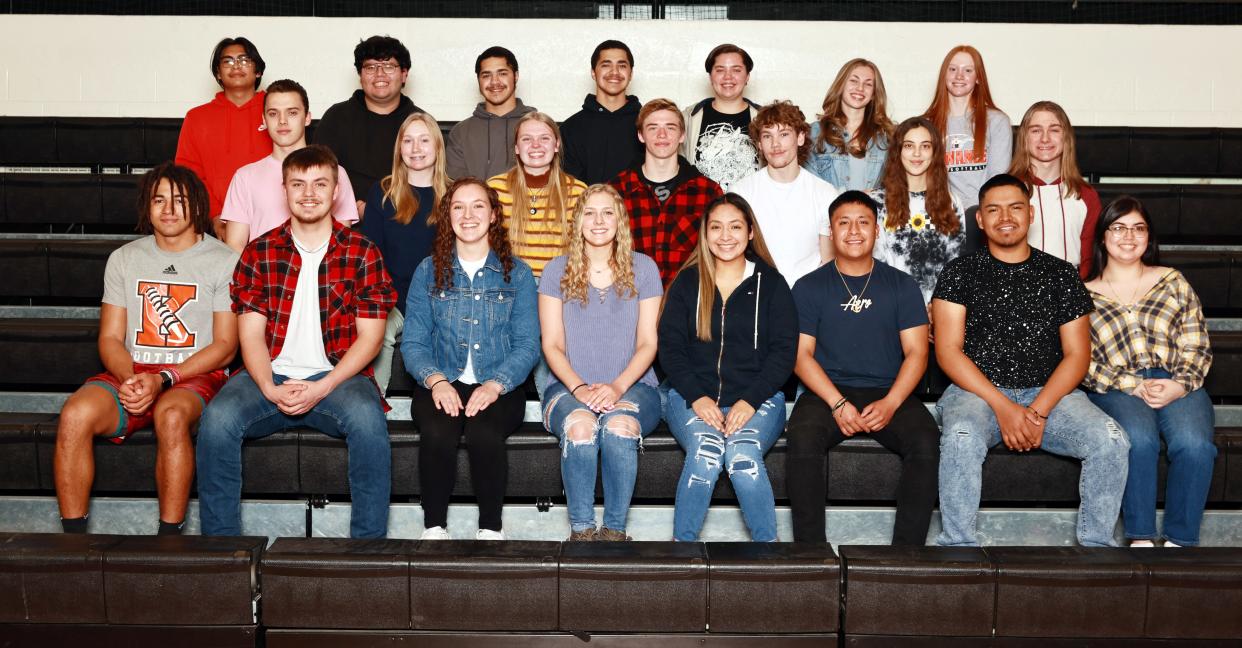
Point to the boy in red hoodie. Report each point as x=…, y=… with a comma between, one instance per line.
x=226, y=133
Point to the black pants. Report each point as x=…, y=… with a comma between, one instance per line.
x=440, y=435
x=912, y=434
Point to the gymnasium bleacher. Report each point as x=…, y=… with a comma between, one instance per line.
x=58, y=225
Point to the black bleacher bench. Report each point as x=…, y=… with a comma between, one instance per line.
x=303, y=463
x=341, y=592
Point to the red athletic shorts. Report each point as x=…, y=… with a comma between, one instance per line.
x=205, y=386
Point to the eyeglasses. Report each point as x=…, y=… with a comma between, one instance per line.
x=239, y=61
x=372, y=69
x=1119, y=230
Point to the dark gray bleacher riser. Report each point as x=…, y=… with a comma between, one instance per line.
x=394, y=589
x=304, y=463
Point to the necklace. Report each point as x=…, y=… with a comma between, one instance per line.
x=1133, y=296
x=532, y=196
x=856, y=304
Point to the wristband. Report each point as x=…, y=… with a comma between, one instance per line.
x=167, y=379
x=577, y=388
x=433, y=385
x=1036, y=412
x=841, y=403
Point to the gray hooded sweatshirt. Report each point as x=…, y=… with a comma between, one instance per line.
x=482, y=146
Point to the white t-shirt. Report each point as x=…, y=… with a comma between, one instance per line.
x=303, y=354
x=256, y=198
x=792, y=217
x=471, y=268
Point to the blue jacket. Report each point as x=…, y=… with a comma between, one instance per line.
x=834, y=166
x=497, y=322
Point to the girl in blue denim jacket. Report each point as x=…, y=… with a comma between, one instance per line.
x=850, y=141
x=471, y=337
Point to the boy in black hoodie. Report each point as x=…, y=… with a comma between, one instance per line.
x=601, y=140
x=863, y=348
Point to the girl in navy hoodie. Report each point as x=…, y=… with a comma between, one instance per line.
x=728, y=336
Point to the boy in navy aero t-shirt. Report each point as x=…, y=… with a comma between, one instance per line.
x=862, y=350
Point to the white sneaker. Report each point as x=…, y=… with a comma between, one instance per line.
x=435, y=533
x=1142, y=544
x=488, y=534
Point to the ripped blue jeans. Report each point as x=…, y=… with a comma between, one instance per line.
x=605, y=443
x=1075, y=428
x=740, y=454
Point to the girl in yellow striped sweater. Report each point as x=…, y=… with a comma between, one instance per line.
x=536, y=196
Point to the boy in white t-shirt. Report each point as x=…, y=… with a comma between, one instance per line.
x=255, y=203
x=166, y=336
x=790, y=203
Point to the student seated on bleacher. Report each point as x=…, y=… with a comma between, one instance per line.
x=597, y=311
x=1150, y=355
x=226, y=133
x=311, y=298
x=861, y=352
x=166, y=337
x=728, y=334
x=1013, y=335
x=256, y=203
x=470, y=340
x=1065, y=207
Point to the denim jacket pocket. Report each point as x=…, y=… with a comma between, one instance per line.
x=499, y=306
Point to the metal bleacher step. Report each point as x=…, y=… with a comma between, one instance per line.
x=844, y=524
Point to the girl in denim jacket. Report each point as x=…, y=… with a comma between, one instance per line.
x=850, y=141
x=471, y=337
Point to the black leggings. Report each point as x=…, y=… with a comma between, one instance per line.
x=440, y=435
x=912, y=434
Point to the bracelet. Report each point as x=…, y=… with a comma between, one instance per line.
x=1036, y=412
x=176, y=375
x=577, y=388
x=841, y=403
x=432, y=386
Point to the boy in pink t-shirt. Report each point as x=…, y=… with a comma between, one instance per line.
x=256, y=203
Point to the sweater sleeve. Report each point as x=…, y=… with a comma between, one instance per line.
x=1092, y=200
x=188, y=154
x=1000, y=144
x=455, y=154
x=676, y=337
x=778, y=361
x=1190, y=340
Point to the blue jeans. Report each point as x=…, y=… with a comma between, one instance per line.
x=603, y=443
x=352, y=411
x=1075, y=428
x=741, y=453
x=1187, y=426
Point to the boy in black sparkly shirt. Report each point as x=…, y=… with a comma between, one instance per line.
x=1012, y=333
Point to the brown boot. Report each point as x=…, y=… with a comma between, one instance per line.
x=611, y=535
x=585, y=535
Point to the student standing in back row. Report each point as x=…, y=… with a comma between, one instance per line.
x=361, y=129
x=481, y=145
x=601, y=140
x=849, y=141
x=717, y=128
x=220, y=136
x=978, y=138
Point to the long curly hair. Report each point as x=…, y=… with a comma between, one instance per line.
x=939, y=199
x=876, y=124
x=577, y=266
x=444, y=249
x=1021, y=167
x=396, y=186
x=980, y=100
x=702, y=257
